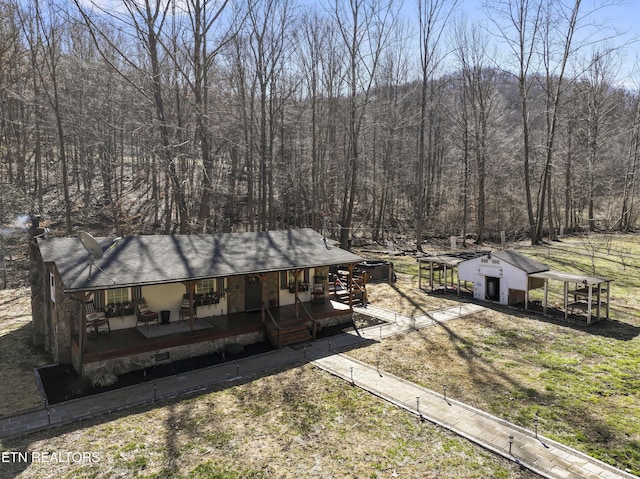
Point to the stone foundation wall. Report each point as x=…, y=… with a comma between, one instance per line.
x=140, y=361
x=335, y=320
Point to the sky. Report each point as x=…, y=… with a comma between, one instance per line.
x=621, y=15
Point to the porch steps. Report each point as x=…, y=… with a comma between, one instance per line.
x=289, y=333
x=342, y=295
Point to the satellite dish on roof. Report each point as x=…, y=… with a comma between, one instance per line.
x=91, y=245
x=95, y=252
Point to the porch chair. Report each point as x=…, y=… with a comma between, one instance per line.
x=96, y=320
x=185, y=309
x=144, y=314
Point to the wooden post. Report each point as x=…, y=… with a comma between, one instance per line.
x=446, y=276
x=390, y=274
x=431, y=275
x=589, y=300
x=598, y=299
x=419, y=274
x=566, y=300
x=364, y=288
x=608, y=297
x=546, y=296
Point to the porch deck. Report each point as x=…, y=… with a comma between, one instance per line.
x=126, y=342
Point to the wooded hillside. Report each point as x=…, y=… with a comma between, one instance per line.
x=163, y=116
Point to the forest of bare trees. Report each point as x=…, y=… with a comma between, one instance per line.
x=364, y=118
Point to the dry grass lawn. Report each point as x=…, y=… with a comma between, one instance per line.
x=581, y=382
x=297, y=423
x=18, y=357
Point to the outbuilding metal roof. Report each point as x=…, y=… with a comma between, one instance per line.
x=157, y=259
x=520, y=261
x=571, y=277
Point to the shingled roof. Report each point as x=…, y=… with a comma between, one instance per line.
x=158, y=259
x=520, y=261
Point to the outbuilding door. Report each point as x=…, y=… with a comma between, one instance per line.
x=493, y=288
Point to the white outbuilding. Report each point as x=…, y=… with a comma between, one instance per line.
x=502, y=276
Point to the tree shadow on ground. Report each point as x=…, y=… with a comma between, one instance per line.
x=608, y=328
x=597, y=433
x=175, y=419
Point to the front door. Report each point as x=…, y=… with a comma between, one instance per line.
x=252, y=293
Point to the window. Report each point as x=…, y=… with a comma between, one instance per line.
x=52, y=287
x=289, y=277
x=119, y=295
x=206, y=286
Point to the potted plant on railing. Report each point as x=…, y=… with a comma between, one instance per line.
x=127, y=308
x=111, y=310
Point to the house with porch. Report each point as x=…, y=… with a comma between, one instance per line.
x=129, y=303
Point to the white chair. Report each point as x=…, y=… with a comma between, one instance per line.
x=96, y=320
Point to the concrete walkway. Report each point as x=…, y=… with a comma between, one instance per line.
x=539, y=454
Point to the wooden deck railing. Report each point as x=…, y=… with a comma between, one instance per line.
x=314, y=322
x=275, y=324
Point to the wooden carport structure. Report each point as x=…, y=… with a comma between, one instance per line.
x=587, y=292
x=443, y=264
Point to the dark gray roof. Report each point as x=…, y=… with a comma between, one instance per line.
x=157, y=259
x=520, y=261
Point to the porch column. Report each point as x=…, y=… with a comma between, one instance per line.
x=350, y=280
x=82, y=337
x=296, y=300
x=263, y=313
x=191, y=286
